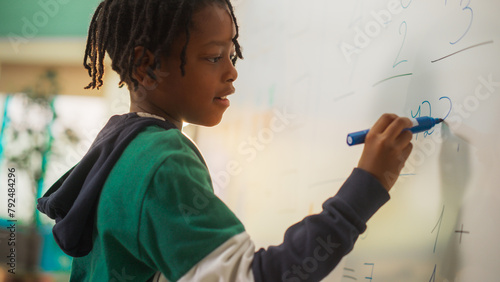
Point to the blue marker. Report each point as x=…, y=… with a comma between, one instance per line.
x=419, y=125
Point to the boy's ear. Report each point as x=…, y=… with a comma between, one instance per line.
x=143, y=73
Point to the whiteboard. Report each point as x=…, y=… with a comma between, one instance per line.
x=317, y=70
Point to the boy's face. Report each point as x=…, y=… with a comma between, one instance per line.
x=199, y=96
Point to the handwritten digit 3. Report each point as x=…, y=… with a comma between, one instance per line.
x=396, y=63
x=466, y=8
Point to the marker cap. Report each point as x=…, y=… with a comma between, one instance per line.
x=356, y=137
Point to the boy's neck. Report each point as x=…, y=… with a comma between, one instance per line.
x=143, y=114
x=155, y=113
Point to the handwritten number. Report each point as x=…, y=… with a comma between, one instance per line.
x=433, y=277
x=419, y=113
x=371, y=276
x=427, y=133
x=438, y=226
x=451, y=105
x=428, y=103
x=466, y=8
x=407, y=5
x=396, y=63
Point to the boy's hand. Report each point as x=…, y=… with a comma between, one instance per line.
x=387, y=148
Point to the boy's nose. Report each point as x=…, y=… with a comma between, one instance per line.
x=232, y=73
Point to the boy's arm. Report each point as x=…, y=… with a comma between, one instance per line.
x=313, y=247
x=212, y=243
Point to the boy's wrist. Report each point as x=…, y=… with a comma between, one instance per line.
x=364, y=193
x=374, y=175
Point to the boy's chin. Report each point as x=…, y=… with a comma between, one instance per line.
x=207, y=123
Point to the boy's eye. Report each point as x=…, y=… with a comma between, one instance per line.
x=215, y=59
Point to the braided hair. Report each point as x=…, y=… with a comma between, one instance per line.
x=118, y=26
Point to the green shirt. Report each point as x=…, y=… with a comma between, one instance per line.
x=156, y=212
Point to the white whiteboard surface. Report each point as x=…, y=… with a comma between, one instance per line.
x=317, y=70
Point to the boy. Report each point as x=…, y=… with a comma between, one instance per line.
x=124, y=211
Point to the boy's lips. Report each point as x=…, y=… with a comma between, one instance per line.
x=222, y=100
x=226, y=93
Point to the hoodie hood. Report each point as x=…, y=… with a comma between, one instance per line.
x=72, y=200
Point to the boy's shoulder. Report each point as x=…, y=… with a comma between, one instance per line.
x=156, y=150
x=158, y=144
x=155, y=168
x=154, y=154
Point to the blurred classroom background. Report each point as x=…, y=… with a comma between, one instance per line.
x=48, y=121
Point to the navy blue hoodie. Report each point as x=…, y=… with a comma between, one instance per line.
x=72, y=200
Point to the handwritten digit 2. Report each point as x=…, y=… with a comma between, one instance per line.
x=396, y=63
x=451, y=105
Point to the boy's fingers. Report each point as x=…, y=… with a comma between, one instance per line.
x=404, y=138
x=405, y=154
x=396, y=127
x=407, y=151
x=382, y=123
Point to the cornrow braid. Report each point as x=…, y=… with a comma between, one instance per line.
x=89, y=50
x=235, y=39
x=118, y=26
x=103, y=28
